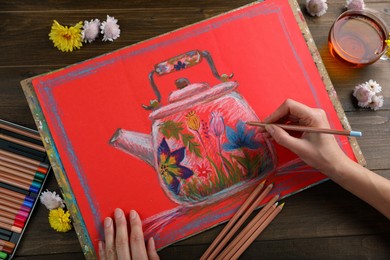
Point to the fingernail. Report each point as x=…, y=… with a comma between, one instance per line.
x=118, y=213
x=133, y=214
x=270, y=129
x=107, y=222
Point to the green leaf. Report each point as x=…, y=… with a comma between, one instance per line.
x=171, y=129
x=192, y=146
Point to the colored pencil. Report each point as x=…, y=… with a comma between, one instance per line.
x=6, y=249
x=27, y=176
x=17, y=201
x=7, y=243
x=22, y=142
x=32, y=183
x=20, y=131
x=309, y=129
x=12, y=222
x=258, y=228
x=14, y=211
x=22, y=164
x=3, y=236
x=246, y=232
x=249, y=206
x=10, y=227
x=21, y=169
x=15, y=216
x=17, y=184
x=16, y=195
x=3, y=255
x=14, y=205
x=24, y=159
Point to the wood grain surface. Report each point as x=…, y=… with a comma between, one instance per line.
x=323, y=222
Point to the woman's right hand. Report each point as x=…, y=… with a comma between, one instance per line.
x=320, y=151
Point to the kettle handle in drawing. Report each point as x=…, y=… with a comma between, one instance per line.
x=180, y=62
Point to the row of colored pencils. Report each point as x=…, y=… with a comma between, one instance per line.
x=221, y=248
x=21, y=178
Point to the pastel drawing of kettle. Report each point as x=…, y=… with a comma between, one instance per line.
x=200, y=146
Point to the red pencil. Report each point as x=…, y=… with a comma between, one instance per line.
x=12, y=222
x=10, y=215
x=10, y=227
x=14, y=161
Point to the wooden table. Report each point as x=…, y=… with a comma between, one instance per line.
x=324, y=222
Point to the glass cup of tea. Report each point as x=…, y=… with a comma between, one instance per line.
x=358, y=37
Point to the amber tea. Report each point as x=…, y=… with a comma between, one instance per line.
x=358, y=37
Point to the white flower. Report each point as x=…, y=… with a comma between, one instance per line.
x=363, y=94
x=316, y=7
x=355, y=4
x=90, y=30
x=375, y=87
x=51, y=200
x=110, y=29
x=376, y=102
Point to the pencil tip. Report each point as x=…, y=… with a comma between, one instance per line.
x=282, y=205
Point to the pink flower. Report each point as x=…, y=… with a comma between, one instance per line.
x=363, y=94
x=217, y=124
x=355, y=4
x=316, y=7
x=376, y=102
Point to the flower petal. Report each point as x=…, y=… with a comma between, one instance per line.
x=230, y=146
x=231, y=135
x=172, y=182
x=178, y=155
x=185, y=173
x=163, y=149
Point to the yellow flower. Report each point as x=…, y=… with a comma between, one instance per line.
x=193, y=121
x=60, y=220
x=388, y=46
x=64, y=38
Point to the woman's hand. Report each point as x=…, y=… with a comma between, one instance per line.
x=117, y=244
x=320, y=151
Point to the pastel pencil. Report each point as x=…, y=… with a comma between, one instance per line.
x=22, y=142
x=6, y=249
x=14, y=205
x=7, y=243
x=14, y=211
x=18, y=168
x=214, y=247
x=12, y=222
x=24, y=159
x=23, y=164
x=15, y=194
x=252, y=206
x=19, y=217
x=27, y=176
x=263, y=213
x=20, y=131
x=309, y=129
x=18, y=184
x=32, y=183
x=17, y=201
x=2, y=236
x=3, y=255
x=260, y=226
x=10, y=227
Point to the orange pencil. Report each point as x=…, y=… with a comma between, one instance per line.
x=25, y=165
x=10, y=227
x=6, y=249
x=7, y=243
x=20, y=131
x=24, y=159
x=22, y=142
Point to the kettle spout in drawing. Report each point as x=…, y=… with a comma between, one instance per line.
x=134, y=143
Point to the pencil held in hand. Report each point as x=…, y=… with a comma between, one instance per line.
x=309, y=129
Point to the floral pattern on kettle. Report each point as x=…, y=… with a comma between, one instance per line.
x=218, y=167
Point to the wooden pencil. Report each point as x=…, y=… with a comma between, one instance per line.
x=10, y=215
x=22, y=142
x=309, y=129
x=15, y=194
x=19, y=179
x=232, y=221
x=253, y=205
x=7, y=243
x=14, y=211
x=37, y=176
x=263, y=213
x=24, y=159
x=18, y=201
x=34, y=168
x=259, y=227
x=20, y=131
x=6, y=249
x=14, y=205
x=18, y=184
x=12, y=222
x=10, y=227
